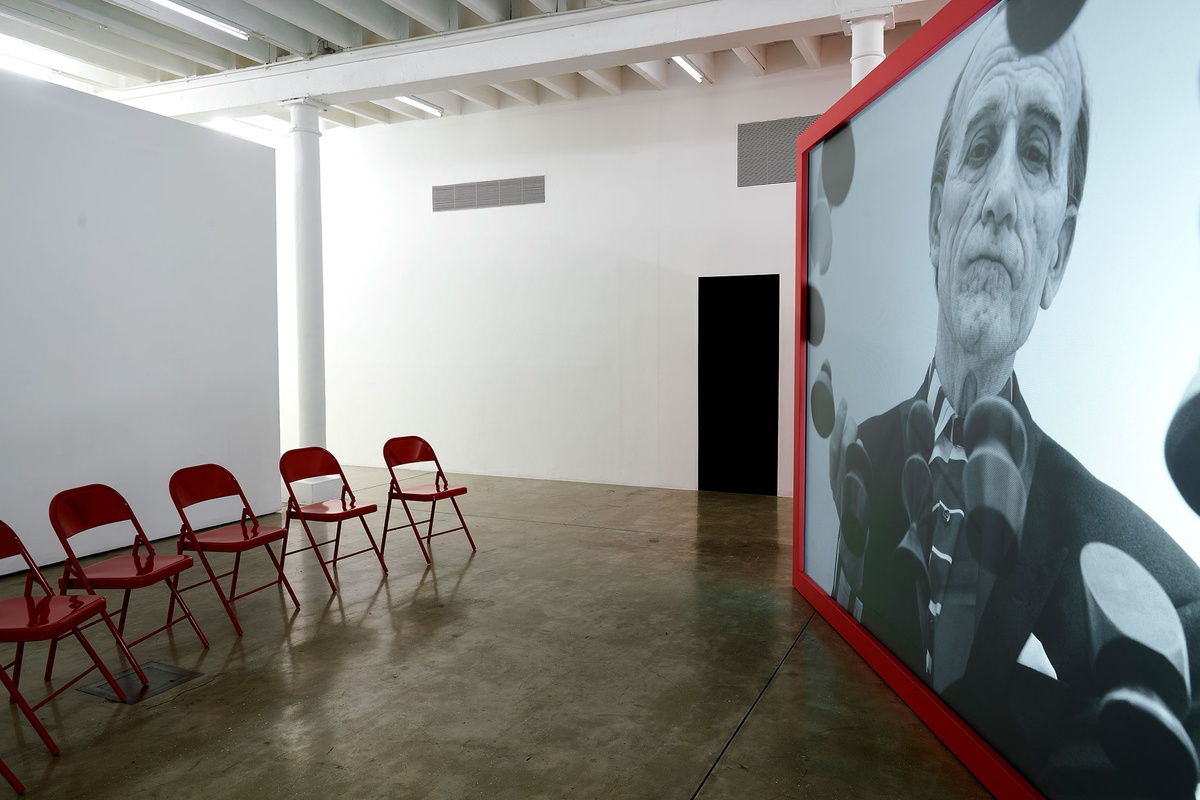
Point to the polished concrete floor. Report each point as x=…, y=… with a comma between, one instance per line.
x=604, y=642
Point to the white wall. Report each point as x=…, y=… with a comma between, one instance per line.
x=556, y=340
x=138, y=327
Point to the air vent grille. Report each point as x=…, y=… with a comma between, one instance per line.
x=490, y=194
x=767, y=150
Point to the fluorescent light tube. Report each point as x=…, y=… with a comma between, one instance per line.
x=428, y=108
x=689, y=68
x=212, y=22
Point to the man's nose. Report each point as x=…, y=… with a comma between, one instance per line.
x=999, y=205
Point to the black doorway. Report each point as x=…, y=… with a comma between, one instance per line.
x=738, y=443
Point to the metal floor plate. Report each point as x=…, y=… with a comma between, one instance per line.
x=161, y=676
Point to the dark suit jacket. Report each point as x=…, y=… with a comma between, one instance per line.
x=1039, y=724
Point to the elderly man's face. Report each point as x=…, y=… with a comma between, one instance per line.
x=1001, y=233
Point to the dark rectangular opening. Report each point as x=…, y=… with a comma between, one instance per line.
x=738, y=443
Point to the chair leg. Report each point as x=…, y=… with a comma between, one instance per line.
x=412, y=523
x=100, y=665
x=375, y=547
x=237, y=565
x=387, y=516
x=16, y=666
x=28, y=712
x=429, y=530
x=212, y=577
x=278, y=562
x=50, y=658
x=462, y=521
x=124, y=609
x=317, y=551
x=187, y=612
x=124, y=648
x=12, y=779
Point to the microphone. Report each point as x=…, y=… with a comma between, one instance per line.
x=1140, y=670
x=1182, y=446
x=993, y=489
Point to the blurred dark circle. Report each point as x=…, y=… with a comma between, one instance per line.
x=820, y=403
x=820, y=236
x=1034, y=25
x=816, y=316
x=837, y=165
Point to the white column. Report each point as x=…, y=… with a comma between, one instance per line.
x=865, y=30
x=310, y=290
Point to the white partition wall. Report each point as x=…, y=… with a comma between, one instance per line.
x=138, y=323
x=554, y=340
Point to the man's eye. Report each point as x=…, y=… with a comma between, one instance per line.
x=980, y=149
x=1035, y=153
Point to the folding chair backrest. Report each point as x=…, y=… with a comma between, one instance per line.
x=11, y=545
x=204, y=482
x=407, y=450
x=308, y=462
x=77, y=510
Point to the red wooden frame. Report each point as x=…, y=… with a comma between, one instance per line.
x=992, y=770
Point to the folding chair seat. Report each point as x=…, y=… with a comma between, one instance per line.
x=192, y=486
x=77, y=511
x=405, y=451
x=46, y=617
x=316, y=462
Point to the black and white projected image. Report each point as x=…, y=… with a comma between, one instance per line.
x=1007, y=258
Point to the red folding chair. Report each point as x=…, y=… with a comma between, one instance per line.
x=11, y=777
x=200, y=484
x=77, y=511
x=408, y=450
x=46, y=617
x=316, y=462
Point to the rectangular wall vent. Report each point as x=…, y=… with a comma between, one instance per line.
x=767, y=150
x=490, y=194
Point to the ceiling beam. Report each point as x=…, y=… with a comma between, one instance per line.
x=754, y=57
x=525, y=91
x=706, y=64
x=486, y=96
x=653, y=71
x=91, y=34
x=489, y=10
x=371, y=111
x=608, y=78
x=565, y=86
x=375, y=16
x=254, y=49
x=311, y=16
x=265, y=27
x=52, y=44
x=147, y=31
x=344, y=118
x=430, y=13
x=810, y=49
x=553, y=44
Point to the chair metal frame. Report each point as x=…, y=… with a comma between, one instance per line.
x=313, y=462
x=204, y=482
x=84, y=508
x=49, y=617
x=403, y=450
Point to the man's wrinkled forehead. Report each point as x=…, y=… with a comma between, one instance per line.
x=994, y=51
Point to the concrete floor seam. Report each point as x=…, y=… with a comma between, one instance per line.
x=750, y=710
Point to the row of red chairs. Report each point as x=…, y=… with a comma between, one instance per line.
x=50, y=617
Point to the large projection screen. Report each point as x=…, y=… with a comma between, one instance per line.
x=999, y=346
